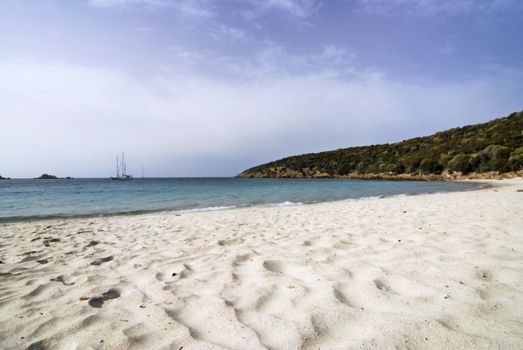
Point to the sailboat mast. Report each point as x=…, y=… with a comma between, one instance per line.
x=117, y=167
x=123, y=164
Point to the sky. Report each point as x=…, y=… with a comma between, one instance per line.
x=212, y=87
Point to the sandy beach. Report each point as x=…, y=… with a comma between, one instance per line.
x=439, y=271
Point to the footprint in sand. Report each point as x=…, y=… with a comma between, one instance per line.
x=273, y=265
x=102, y=260
x=39, y=345
x=92, y=244
x=166, y=278
x=29, y=258
x=85, y=230
x=338, y=294
x=50, y=240
x=381, y=285
x=241, y=259
x=225, y=242
x=112, y=293
x=98, y=301
x=61, y=279
x=186, y=272
x=160, y=276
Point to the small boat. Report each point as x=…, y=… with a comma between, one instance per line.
x=121, y=168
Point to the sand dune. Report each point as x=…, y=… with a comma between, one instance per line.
x=420, y=272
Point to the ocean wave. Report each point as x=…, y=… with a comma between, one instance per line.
x=359, y=199
x=285, y=204
x=402, y=195
x=217, y=208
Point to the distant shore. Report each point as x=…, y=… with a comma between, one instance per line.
x=427, y=271
x=285, y=174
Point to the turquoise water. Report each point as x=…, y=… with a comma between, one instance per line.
x=30, y=199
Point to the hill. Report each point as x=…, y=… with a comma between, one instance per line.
x=492, y=147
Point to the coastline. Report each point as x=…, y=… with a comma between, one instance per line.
x=281, y=173
x=284, y=202
x=419, y=271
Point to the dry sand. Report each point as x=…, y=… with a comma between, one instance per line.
x=441, y=271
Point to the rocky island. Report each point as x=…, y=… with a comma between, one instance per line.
x=46, y=177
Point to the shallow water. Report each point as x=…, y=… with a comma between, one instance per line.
x=24, y=199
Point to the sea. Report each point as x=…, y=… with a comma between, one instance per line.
x=24, y=199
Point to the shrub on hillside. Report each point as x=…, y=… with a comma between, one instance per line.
x=460, y=163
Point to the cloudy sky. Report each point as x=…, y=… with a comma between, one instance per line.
x=211, y=87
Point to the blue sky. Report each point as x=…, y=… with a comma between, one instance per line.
x=211, y=87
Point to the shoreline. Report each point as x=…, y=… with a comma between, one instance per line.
x=481, y=183
x=445, y=176
x=430, y=271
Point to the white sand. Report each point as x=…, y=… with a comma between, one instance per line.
x=420, y=272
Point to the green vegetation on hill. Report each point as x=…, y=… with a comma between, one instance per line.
x=493, y=146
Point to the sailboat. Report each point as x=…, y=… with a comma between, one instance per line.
x=121, y=168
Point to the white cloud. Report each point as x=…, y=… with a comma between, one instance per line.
x=227, y=33
x=298, y=9
x=195, y=8
x=188, y=8
x=333, y=54
x=144, y=29
x=435, y=7
x=184, y=60
x=71, y=119
x=149, y=3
